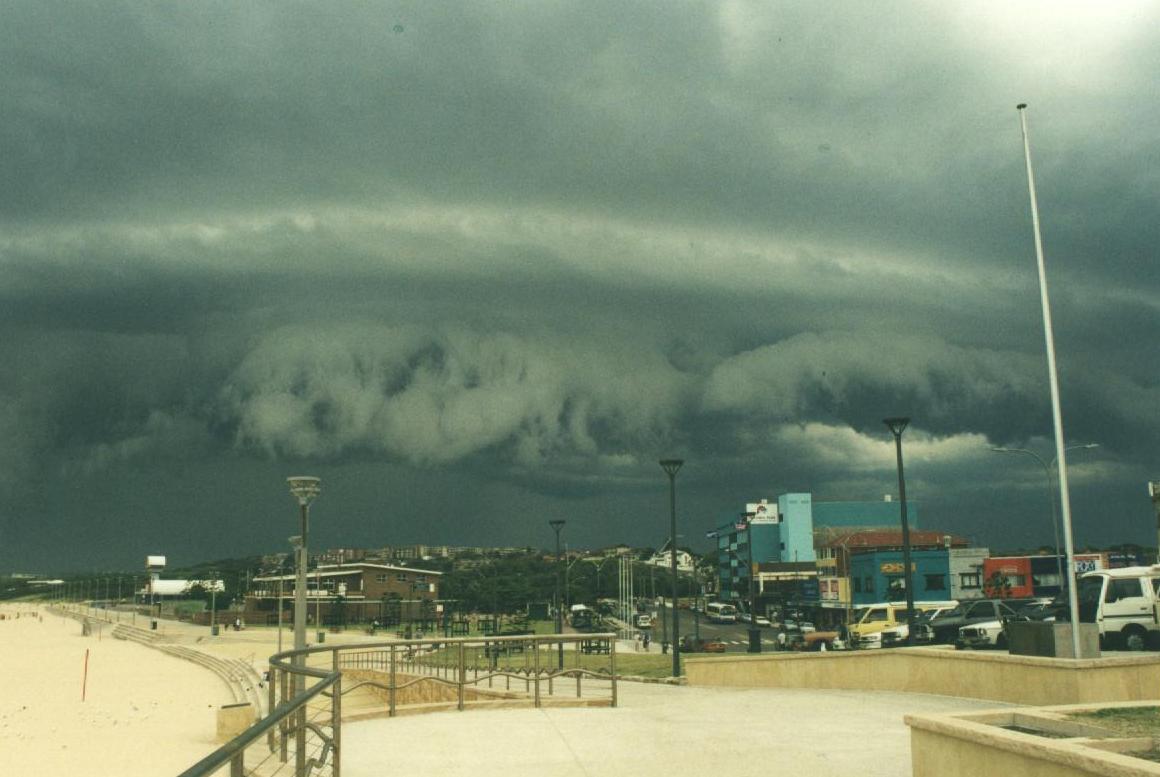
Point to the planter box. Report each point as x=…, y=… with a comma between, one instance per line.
x=1052, y=640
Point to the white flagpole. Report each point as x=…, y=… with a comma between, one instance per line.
x=1053, y=376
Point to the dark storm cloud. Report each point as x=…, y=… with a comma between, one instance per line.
x=506, y=255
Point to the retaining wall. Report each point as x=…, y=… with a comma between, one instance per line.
x=1026, y=680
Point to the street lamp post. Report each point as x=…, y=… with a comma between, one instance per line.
x=897, y=426
x=1050, y=497
x=212, y=601
x=558, y=524
x=671, y=466
x=304, y=488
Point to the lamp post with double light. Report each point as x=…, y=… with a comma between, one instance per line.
x=305, y=489
x=1047, y=467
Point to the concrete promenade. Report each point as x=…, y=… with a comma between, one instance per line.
x=657, y=730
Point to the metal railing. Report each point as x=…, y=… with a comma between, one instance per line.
x=313, y=690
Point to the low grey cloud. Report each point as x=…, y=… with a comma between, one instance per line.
x=431, y=397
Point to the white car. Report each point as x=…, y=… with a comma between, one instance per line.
x=988, y=634
x=895, y=635
x=761, y=620
x=743, y=617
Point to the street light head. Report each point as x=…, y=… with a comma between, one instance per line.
x=557, y=524
x=896, y=425
x=296, y=541
x=670, y=466
x=304, y=488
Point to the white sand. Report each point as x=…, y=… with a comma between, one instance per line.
x=145, y=713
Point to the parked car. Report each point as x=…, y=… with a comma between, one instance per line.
x=761, y=620
x=872, y=619
x=945, y=627
x=896, y=635
x=822, y=640
x=691, y=644
x=986, y=634
x=1040, y=611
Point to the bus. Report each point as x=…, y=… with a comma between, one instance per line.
x=719, y=612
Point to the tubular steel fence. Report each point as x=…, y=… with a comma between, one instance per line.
x=311, y=692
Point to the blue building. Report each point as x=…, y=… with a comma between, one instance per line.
x=782, y=533
x=877, y=576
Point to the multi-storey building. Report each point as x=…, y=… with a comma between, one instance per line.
x=361, y=591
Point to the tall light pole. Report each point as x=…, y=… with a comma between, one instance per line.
x=897, y=426
x=1050, y=496
x=671, y=467
x=558, y=524
x=304, y=488
x=1053, y=378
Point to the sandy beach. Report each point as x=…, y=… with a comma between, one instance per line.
x=144, y=713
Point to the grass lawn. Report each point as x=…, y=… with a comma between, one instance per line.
x=1128, y=721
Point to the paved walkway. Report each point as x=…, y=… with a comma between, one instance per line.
x=657, y=730
x=674, y=731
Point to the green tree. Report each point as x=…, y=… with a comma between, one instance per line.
x=997, y=586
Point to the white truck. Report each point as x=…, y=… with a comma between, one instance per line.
x=1124, y=604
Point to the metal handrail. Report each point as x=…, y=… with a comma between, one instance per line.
x=236, y=746
x=287, y=662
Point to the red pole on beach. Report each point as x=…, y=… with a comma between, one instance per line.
x=85, y=681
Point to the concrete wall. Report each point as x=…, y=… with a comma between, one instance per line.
x=979, y=745
x=998, y=677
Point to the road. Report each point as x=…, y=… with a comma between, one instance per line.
x=734, y=635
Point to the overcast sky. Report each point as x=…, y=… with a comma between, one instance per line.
x=479, y=265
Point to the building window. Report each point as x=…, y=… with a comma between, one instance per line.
x=380, y=578
x=936, y=583
x=420, y=578
x=857, y=585
x=970, y=580
x=868, y=586
x=402, y=577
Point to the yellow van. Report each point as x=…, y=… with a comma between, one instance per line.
x=870, y=620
